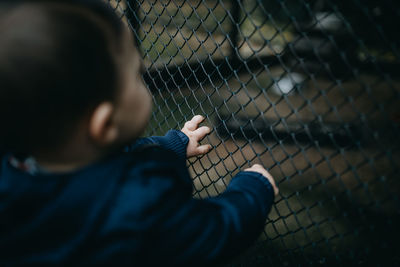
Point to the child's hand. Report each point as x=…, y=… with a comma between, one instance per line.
x=260, y=169
x=195, y=134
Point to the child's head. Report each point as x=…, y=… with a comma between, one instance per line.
x=68, y=68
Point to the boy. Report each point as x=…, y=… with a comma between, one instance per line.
x=71, y=99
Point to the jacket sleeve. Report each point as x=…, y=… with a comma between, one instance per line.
x=200, y=232
x=174, y=140
x=181, y=230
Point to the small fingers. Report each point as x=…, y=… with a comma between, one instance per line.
x=203, y=149
x=197, y=119
x=257, y=166
x=194, y=122
x=276, y=189
x=201, y=132
x=260, y=169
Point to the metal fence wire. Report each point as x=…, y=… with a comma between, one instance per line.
x=310, y=89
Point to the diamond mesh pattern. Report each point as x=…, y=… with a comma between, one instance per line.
x=310, y=90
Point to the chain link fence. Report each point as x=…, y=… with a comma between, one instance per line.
x=310, y=89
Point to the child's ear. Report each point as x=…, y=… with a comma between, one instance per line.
x=102, y=128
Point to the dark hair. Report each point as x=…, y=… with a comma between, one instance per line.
x=57, y=61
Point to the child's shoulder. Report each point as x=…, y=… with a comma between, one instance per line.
x=154, y=161
x=145, y=160
x=153, y=152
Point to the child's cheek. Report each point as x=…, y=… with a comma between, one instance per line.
x=141, y=109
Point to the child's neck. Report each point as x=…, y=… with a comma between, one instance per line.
x=65, y=161
x=71, y=156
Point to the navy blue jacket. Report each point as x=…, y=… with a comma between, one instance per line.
x=134, y=208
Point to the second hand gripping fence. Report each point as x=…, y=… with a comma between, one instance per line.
x=310, y=89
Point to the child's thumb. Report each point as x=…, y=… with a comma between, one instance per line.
x=203, y=149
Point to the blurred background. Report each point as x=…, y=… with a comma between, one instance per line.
x=310, y=89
